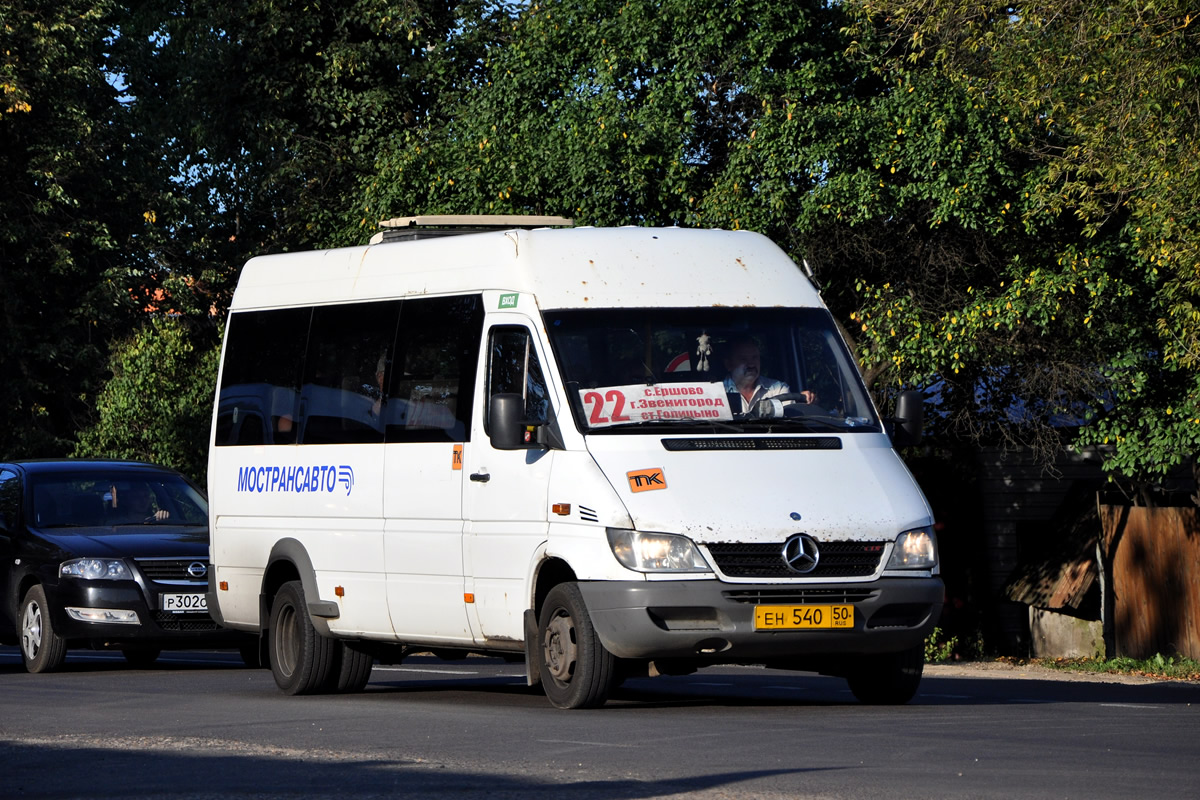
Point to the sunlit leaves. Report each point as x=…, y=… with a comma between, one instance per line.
x=1102, y=98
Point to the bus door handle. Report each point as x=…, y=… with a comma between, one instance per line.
x=481, y=477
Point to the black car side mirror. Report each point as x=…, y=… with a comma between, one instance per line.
x=910, y=419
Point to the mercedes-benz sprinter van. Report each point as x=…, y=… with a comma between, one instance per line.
x=609, y=452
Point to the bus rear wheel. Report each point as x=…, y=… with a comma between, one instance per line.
x=302, y=660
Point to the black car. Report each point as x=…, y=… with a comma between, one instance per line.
x=104, y=554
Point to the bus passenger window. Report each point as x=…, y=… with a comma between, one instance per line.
x=348, y=346
x=432, y=381
x=264, y=352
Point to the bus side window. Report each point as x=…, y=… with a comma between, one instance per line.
x=348, y=351
x=264, y=354
x=432, y=382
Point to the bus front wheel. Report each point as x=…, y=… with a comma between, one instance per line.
x=576, y=670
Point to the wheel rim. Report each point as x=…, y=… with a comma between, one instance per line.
x=559, y=648
x=288, y=647
x=31, y=631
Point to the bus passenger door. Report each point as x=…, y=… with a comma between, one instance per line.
x=429, y=399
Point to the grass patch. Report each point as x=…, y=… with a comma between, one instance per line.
x=1176, y=667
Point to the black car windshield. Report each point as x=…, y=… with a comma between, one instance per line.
x=99, y=499
x=782, y=369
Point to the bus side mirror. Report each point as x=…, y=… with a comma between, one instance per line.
x=507, y=427
x=910, y=419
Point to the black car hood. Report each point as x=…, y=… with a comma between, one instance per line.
x=134, y=541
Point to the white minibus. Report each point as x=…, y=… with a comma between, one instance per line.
x=609, y=452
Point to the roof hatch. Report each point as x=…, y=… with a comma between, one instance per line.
x=405, y=229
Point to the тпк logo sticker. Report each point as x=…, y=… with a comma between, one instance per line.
x=645, y=480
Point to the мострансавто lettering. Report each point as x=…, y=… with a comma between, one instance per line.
x=316, y=478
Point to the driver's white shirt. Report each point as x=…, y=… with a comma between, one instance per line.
x=764, y=387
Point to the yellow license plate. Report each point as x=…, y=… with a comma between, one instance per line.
x=779, y=618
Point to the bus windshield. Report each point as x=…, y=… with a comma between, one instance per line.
x=752, y=369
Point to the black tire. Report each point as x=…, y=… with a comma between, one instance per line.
x=888, y=679
x=354, y=669
x=576, y=670
x=141, y=659
x=42, y=649
x=301, y=659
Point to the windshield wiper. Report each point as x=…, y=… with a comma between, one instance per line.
x=672, y=422
x=808, y=423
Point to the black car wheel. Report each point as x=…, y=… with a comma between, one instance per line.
x=42, y=649
x=301, y=659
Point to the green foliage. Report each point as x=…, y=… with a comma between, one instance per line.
x=607, y=115
x=158, y=404
x=939, y=648
x=1157, y=666
x=68, y=214
x=264, y=116
x=1087, y=311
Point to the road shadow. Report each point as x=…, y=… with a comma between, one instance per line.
x=82, y=660
x=805, y=691
x=67, y=769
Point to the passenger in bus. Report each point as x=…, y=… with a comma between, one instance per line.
x=745, y=381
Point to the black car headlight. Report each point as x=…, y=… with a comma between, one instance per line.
x=96, y=569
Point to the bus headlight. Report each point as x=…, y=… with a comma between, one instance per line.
x=915, y=549
x=655, y=552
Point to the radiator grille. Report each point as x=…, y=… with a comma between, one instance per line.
x=185, y=622
x=794, y=596
x=172, y=570
x=838, y=560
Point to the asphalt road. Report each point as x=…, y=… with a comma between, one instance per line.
x=198, y=725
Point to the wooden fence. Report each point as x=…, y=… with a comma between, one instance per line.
x=1154, y=556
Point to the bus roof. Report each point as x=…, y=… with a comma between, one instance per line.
x=630, y=267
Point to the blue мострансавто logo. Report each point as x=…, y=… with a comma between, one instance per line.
x=317, y=478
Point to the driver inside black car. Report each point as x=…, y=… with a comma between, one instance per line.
x=133, y=504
